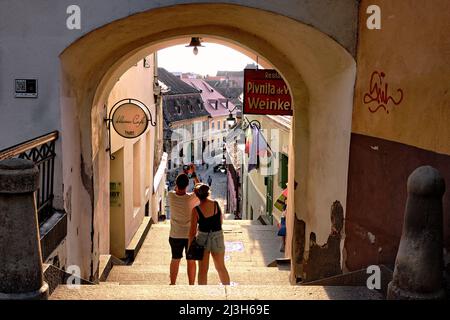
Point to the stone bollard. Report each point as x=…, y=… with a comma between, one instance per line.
x=21, y=275
x=418, y=273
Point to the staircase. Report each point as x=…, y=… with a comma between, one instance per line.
x=250, y=248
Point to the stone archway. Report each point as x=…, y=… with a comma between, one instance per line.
x=320, y=74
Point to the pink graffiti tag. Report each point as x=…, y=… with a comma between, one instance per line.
x=379, y=93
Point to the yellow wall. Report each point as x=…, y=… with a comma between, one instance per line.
x=413, y=50
x=117, y=216
x=257, y=190
x=138, y=157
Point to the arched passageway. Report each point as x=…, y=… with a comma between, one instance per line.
x=320, y=74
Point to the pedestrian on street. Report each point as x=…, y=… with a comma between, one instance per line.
x=206, y=225
x=181, y=204
x=282, y=231
x=209, y=181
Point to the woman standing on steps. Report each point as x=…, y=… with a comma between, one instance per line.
x=207, y=218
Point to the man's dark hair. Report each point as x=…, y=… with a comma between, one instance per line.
x=182, y=181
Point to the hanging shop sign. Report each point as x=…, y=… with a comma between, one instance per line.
x=130, y=118
x=265, y=92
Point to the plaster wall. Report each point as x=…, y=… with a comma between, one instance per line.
x=136, y=83
x=34, y=33
x=413, y=50
x=309, y=42
x=399, y=126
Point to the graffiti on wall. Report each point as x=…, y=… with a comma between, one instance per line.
x=378, y=96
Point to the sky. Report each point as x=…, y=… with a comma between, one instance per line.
x=210, y=59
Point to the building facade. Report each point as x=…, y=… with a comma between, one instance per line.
x=186, y=121
x=265, y=180
x=135, y=189
x=349, y=142
x=219, y=109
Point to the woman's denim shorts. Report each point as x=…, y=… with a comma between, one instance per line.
x=213, y=241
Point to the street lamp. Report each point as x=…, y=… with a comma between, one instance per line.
x=195, y=42
x=231, y=120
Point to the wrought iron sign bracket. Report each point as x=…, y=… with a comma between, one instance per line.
x=111, y=115
x=251, y=124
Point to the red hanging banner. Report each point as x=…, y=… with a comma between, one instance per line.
x=265, y=92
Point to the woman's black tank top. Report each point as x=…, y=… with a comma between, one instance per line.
x=212, y=223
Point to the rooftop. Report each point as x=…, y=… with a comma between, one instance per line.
x=174, y=84
x=215, y=103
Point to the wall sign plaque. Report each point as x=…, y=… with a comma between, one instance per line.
x=26, y=88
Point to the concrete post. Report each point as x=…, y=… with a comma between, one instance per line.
x=21, y=275
x=418, y=272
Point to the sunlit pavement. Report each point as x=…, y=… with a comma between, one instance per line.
x=250, y=248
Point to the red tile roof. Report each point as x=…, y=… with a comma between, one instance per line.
x=211, y=98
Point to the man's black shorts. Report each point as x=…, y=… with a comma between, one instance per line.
x=177, y=246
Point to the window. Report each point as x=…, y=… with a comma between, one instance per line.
x=218, y=125
x=283, y=171
x=137, y=174
x=212, y=125
x=225, y=124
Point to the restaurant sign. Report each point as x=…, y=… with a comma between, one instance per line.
x=130, y=120
x=265, y=92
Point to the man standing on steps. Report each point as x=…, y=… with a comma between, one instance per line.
x=181, y=204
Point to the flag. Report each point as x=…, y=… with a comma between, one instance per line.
x=281, y=202
x=248, y=141
x=263, y=147
x=253, y=150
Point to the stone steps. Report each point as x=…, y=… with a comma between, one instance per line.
x=255, y=247
x=213, y=292
x=159, y=275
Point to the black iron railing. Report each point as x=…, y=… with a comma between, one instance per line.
x=41, y=151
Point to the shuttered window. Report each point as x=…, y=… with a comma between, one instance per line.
x=283, y=174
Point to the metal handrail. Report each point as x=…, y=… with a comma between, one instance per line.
x=20, y=148
x=41, y=151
